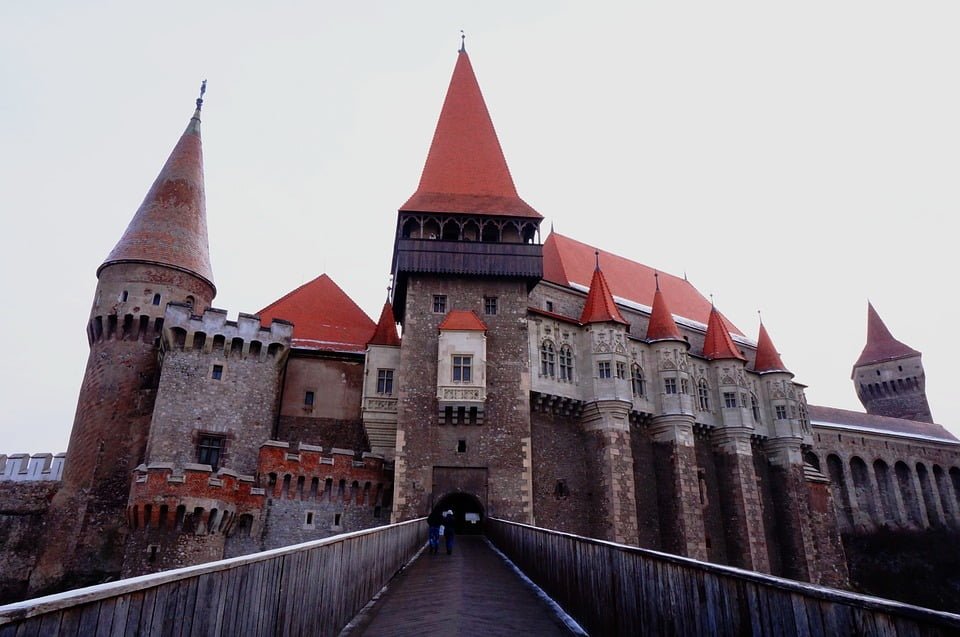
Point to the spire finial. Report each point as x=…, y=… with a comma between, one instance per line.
x=389, y=291
x=712, y=305
x=596, y=253
x=203, y=89
x=760, y=316
x=463, y=42
x=656, y=278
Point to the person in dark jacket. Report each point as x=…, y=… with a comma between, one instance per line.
x=434, y=521
x=448, y=530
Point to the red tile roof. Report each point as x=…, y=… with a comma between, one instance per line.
x=717, y=344
x=599, y=306
x=386, y=332
x=881, y=346
x=170, y=226
x=662, y=326
x=568, y=262
x=323, y=317
x=884, y=424
x=463, y=321
x=768, y=359
x=466, y=171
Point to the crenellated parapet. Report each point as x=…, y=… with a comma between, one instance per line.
x=24, y=467
x=212, y=333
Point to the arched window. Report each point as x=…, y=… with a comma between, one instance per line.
x=547, y=359
x=703, y=395
x=566, y=363
x=636, y=380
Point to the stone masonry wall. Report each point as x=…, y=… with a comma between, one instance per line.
x=22, y=509
x=565, y=484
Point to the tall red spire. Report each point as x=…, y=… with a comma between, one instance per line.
x=718, y=344
x=465, y=170
x=881, y=346
x=386, y=332
x=768, y=359
x=662, y=326
x=600, y=306
x=170, y=227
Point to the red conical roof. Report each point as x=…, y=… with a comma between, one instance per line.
x=768, y=360
x=600, y=306
x=717, y=344
x=386, y=332
x=323, y=317
x=170, y=227
x=881, y=346
x=463, y=321
x=661, y=326
x=465, y=170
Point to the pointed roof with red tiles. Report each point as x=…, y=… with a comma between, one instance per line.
x=717, y=344
x=570, y=263
x=881, y=346
x=768, y=359
x=466, y=171
x=170, y=226
x=661, y=327
x=600, y=306
x=463, y=321
x=323, y=317
x=386, y=332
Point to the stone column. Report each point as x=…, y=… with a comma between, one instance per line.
x=740, y=499
x=681, y=514
x=607, y=426
x=791, y=507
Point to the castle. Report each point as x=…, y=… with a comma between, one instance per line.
x=539, y=380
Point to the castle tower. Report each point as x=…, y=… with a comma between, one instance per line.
x=606, y=418
x=162, y=257
x=889, y=375
x=380, y=385
x=466, y=244
x=672, y=432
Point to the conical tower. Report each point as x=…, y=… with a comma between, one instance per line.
x=162, y=257
x=889, y=375
x=466, y=245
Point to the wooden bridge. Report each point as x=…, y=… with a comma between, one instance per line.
x=381, y=582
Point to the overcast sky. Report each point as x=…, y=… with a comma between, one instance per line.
x=794, y=158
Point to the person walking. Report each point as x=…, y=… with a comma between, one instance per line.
x=448, y=530
x=434, y=521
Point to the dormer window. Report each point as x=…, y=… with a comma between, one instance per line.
x=461, y=368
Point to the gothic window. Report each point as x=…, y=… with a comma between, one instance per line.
x=670, y=385
x=547, y=359
x=490, y=305
x=385, y=382
x=217, y=373
x=703, y=395
x=781, y=412
x=636, y=380
x=755, y=406
x=156, y=299
x=621, y=370
x=729, y=399
x=566, y=363
x=209, y=450
x=461, y=368
x=603, y=369
x=439, y=303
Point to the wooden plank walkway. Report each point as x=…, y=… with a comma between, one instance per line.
x=472, y=592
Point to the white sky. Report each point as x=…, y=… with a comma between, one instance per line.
x=796, y=158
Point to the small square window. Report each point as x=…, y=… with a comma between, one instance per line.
x=210, y=450
x=670, y=385
x=217, y=373
x=549, y=306
x=621, y=370
x=308, y=518
x=461, y=368
x=308, y=399
x=439, y=303
x=156, y=299
x=490, y=305
x=123, y=299
x=781, y=412
x=461, y=446
x=603, y=369
x=729, y=399
x=337, y=519
x=385, y=382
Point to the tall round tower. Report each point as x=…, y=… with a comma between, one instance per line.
x=163, y=256
x=889, y=375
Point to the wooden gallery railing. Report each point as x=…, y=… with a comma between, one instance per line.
x=314, y=588
x=611, y=589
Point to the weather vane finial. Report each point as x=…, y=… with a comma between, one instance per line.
x=596, y=253
x=203, y=89
x=463, y=42
x=760, y=316
x=656, y=278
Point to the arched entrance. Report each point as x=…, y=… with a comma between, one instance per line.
x=467, y=511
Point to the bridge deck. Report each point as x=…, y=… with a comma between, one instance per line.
x=472, y=592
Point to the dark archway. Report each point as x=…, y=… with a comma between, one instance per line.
x=467, y=511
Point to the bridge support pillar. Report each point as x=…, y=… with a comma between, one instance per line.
x=740, y=499
x=607, y=425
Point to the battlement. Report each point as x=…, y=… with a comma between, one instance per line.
x=211, y=332
x=310, y=472
x=23, y=467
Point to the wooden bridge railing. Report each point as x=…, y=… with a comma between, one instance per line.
x=314, y=588
x=612, y=589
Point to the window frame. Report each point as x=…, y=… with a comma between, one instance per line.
x=548, y=359
x=205, y=449
x=385, y=381
x=460, y=363
x=490, y=305
x=604, y=370
x=439, y=303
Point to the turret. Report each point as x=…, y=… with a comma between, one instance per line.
x=381, y=384
x=728, y=367
x=889, y=375
x=162, y=257
x=670, y=353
